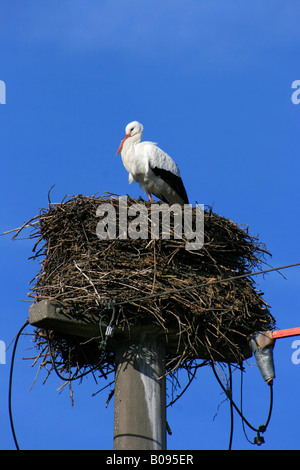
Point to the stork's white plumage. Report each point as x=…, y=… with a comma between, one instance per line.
x=151, y=167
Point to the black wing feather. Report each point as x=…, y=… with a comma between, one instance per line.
x=172, y=180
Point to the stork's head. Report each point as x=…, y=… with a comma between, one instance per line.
x=133, y=130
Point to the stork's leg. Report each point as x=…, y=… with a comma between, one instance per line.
x=150, y=197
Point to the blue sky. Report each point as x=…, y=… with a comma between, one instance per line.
x=211, y=83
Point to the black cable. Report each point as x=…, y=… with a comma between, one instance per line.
x=10, y=384
x=231, y=408
x=261, y=428
x=241, y=400
x=185, y=388
x=271, y=404
x=54, y=366
x=196, y=367
x=102, y=347
x=74, y=377
x=196, y=286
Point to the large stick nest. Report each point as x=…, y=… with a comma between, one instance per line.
x=83, y=272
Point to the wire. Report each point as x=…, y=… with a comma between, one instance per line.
x=74, y=377
x=231, y=407
x=136, y=299
x=203, y=363
x=68, y=379
x=241, y=400
x=102, y=347
x=261, y=428
x=114, y=304
x=10, y=384
x=101, y=333
x=196, y=286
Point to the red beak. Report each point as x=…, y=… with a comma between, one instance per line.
x=122, y=143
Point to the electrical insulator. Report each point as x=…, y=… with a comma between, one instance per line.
x=262, y=345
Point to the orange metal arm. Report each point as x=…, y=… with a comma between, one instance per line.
x=286, y=333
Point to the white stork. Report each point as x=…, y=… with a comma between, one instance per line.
x=152, y=168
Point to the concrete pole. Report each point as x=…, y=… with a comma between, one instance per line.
x=140, y=394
